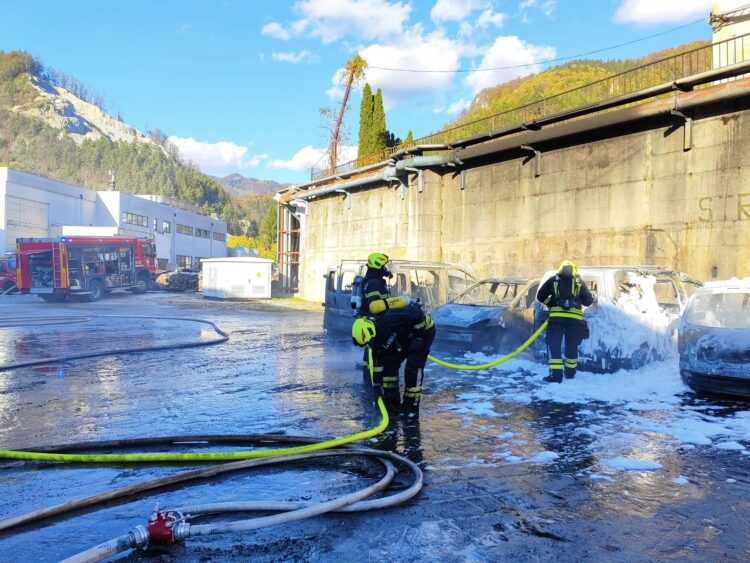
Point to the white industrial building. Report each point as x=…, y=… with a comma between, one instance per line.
x=34, y=206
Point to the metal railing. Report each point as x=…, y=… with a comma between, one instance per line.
x=653, y=73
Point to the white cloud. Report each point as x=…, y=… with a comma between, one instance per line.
x=490, y=17
x=455, y=10
x=309, y=156
x=508, y=51
x=547, y=7
x=330, y=20
x=276, y=31
x=458, y=106
x=302, y=56
x=413, y=50
x=219, y=158
x=661, y=11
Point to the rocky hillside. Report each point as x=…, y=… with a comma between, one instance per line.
x=61, y=109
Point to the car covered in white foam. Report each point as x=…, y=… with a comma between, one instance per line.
x=634, y=318
x=714, y=339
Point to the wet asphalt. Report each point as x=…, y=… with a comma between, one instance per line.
x=279, y=373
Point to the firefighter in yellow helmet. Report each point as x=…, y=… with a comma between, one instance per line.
x=374, y=286
x=395, y=336
x=565, y=294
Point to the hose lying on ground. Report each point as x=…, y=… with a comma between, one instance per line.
x=61, y=359
x=248, y=458
x=493, y=363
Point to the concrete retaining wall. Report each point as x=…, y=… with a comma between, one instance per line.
x=627, y=197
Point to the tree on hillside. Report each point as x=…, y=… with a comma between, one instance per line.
x=409, y=141
x=353, y=71
x=365, y=123
x=268, y=228
x=379, y=138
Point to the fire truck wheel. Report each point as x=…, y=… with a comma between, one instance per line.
x=96, y=287
x=9, y=287
x=144, y=283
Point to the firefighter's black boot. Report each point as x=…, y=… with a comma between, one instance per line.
x=555, y=376
x=410, y=407
x=392, y=400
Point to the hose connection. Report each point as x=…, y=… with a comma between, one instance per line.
x=138, y=537
x=166, y=526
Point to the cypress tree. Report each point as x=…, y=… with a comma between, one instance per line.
x=365, y=123
x=378, y=123
x=409, y=139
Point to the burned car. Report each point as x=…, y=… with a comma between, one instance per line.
x=634, y=317
x=433, y=283
x=714, y=339
x=493, y=315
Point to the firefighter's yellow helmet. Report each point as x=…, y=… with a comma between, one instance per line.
x=363, y=331
x=568, y=268
x=377, y=260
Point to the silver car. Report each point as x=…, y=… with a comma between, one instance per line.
x=714, y=339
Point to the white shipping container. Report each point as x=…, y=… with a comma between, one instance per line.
x=243, y=277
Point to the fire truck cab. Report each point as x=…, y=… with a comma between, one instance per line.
x=54, y=268
x=7, y=274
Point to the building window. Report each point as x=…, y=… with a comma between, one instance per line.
x=133, y=219
x=202, y=233
x=184, y=229
x=220, y=236
x=156, y=224
x=166, y=227
x=198, y=260
x=162, y=263
x=184, y=261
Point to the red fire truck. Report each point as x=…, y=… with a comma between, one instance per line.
x=54, y=268
x=7, y=274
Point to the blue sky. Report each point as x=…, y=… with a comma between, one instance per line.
x=239, y=84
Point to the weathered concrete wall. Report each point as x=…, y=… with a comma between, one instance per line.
x=634, y=198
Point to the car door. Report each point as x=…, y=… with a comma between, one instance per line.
x=329, y=303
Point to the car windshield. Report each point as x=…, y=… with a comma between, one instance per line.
x=725, y=310
x=488, y=293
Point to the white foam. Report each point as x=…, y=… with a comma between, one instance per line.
x=631, y=464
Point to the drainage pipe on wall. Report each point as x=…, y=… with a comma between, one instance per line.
x=391, y=172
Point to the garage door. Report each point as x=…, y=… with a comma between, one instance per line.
x=25, y=218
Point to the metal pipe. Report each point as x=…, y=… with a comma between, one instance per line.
x=389, y=173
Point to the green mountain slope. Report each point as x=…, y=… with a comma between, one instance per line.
x=142, y=166
x=562, y=78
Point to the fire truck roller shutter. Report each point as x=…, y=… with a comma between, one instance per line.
x=25, y=218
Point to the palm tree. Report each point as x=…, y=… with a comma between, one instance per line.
x=353, y=71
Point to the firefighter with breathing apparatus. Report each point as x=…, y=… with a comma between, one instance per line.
x=565, y=294
x=371, y=287
x=395, y=335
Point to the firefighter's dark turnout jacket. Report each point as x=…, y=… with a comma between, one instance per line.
x=401, y=334
x=374, y=287
x=565, y=296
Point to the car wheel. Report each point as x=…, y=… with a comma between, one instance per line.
x=96, y=287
